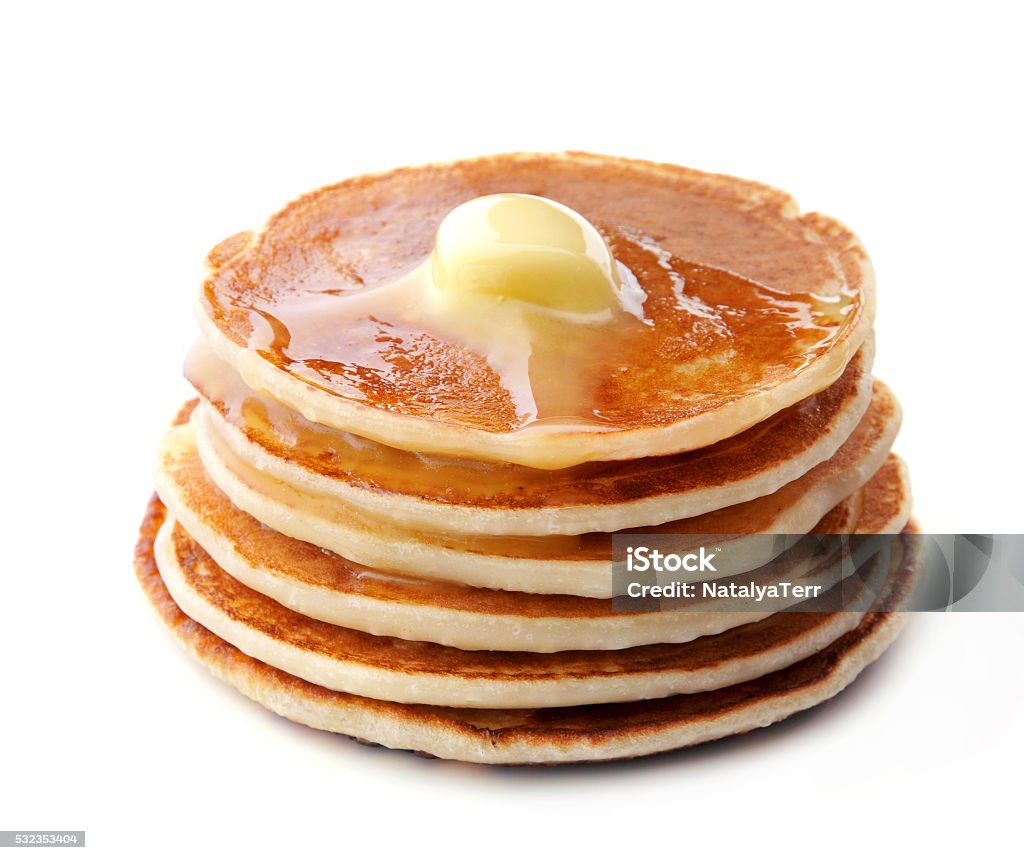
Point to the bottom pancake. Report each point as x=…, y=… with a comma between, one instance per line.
x=528, y=736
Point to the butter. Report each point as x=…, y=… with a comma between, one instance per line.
x=524, y=283
x=526, y=249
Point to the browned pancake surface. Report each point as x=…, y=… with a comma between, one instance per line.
x=730, y=274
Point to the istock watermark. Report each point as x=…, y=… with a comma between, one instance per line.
x=817, y=573
x=642, y=559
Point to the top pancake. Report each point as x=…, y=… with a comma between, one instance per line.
x=750, y=308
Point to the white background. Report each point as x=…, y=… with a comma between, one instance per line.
x=136, y=138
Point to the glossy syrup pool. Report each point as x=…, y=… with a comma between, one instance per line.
x=704, y=333
x=329, y=294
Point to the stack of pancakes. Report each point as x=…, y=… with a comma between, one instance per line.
x=373, y=526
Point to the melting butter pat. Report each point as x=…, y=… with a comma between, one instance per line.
x=525, y=248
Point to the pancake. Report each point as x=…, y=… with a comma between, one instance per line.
x=549, y=565
x=339, y=658
x=436, y=493
x=324, y=586
x=749, y=308
x=431, y=403
x=521, y=736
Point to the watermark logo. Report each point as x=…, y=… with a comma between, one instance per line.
x=817, y=573
x=641, y=559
